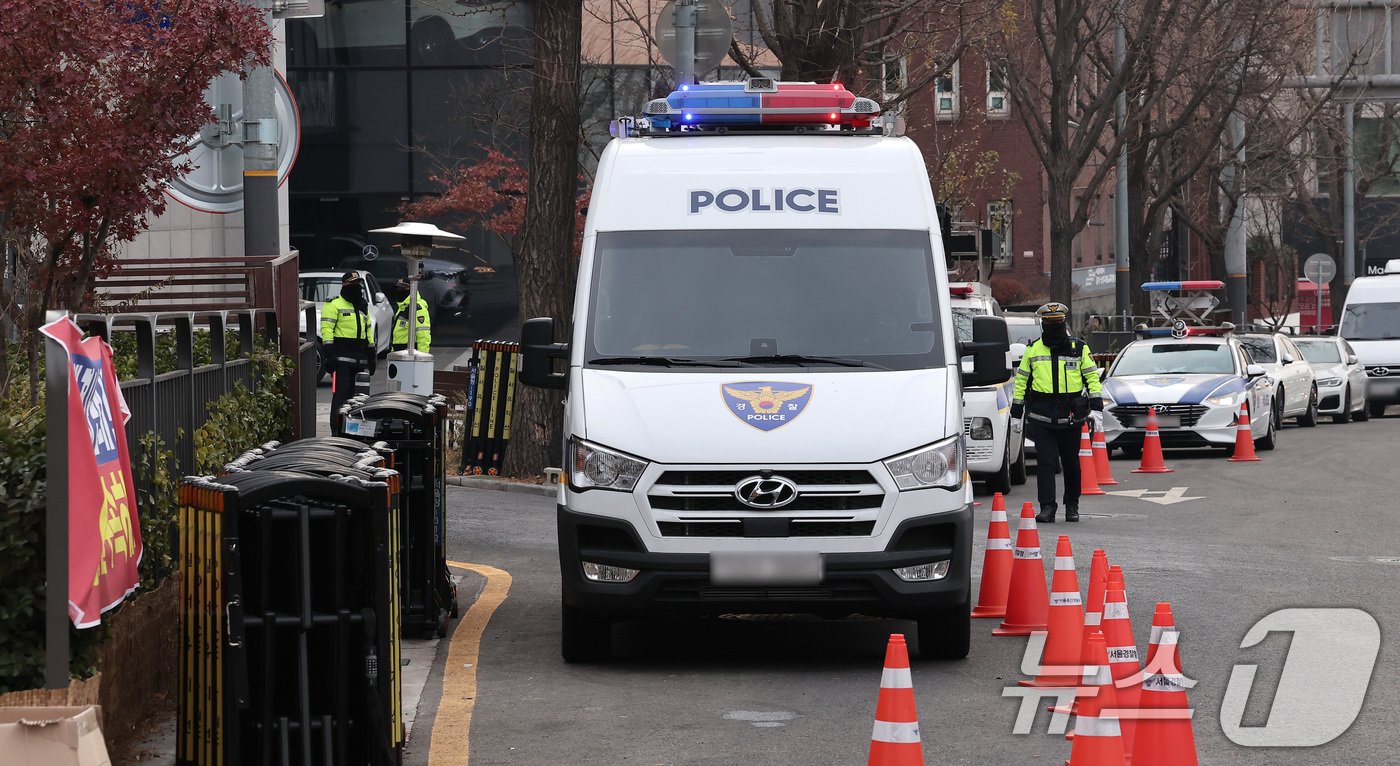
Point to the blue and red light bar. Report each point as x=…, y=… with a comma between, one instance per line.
x=1196, y=284
x=760, y=103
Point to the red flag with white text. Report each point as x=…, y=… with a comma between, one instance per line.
x=104, y=532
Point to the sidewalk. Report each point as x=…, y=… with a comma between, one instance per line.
x=158, y=746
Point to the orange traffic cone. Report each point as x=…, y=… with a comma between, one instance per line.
x=1088, y=475
x=996, y=564
x=1122, y=650
x=1152, y=449
x=1061, y=661
x=1097, y=738
x=1163, y=732
x=1101, y=469
x=895, y=740
x=1244, y=438
x=1028, y=602
x=1093, y=610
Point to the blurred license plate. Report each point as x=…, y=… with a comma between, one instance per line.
x=1169, y=421
x=750, y=568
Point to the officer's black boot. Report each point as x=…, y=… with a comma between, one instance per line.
x=1071, y=513
x=1047, y=513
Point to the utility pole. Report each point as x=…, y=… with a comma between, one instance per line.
x=685, y=42
x=1122, y=289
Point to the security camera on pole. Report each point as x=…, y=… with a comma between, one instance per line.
x=411, y=370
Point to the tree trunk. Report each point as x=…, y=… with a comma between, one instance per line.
x=1059, y=197
x=545, y=265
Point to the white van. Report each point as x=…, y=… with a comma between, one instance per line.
x=763, y=408
x=1371, y=324
x=995, y=454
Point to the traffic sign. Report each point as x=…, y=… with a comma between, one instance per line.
x=714, y=30
x=1319, y=268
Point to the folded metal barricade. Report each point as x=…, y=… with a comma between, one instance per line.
x=414, y=428
x=288, y=615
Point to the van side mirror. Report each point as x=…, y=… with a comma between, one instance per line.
x=1255, y=371
x=989, y=346
x=538, y=352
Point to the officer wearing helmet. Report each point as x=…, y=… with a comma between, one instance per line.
x=347, y=338
x=1057, y=390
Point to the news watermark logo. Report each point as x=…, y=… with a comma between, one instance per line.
x=1322, y=685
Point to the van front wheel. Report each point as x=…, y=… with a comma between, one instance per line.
x=946, y=634
x=586, y=637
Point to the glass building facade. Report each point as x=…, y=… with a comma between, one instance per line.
x=390, y=93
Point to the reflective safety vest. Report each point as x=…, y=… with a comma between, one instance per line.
x=340, y=321
x=1046, y=373
x=424, y=329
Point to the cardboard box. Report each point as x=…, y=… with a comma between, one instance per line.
x=52, y=736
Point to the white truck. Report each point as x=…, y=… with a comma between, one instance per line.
x=995, y=454
x=764, y=389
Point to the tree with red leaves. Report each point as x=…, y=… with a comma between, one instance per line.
x=490, y=193
x=98, y=98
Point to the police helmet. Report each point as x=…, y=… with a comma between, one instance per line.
x=1052, y=312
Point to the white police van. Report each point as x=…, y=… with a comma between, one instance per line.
x=763, y=409
x=995, y=454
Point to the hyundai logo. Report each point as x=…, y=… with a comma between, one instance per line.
x=1160, y=409
x=1380, y=372
x=765, y=492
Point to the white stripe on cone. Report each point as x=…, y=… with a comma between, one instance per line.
x=1065, y=599
x=1097, y=727
x=1115, y=610
x=1064, y=562
x=1027, y=553
x=896, y=678
x=999, y=544
x=895, y=733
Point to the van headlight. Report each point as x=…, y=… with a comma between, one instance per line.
x=1231, y=399
x=595, y=467
x=937, y=465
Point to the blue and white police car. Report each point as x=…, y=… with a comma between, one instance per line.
x=1194, y=379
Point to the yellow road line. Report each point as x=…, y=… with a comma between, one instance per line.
x=453, y=721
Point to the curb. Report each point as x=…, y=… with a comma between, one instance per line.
x=501, y=485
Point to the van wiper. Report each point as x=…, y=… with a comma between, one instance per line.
x=663, y=361
x=803, y=359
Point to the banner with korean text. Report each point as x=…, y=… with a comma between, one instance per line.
x=104, y=533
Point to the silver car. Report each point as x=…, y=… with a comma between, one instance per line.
x=1340, y=376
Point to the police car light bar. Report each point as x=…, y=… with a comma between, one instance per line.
x=1196, y=284
x=1180, y=329
x=761, y=102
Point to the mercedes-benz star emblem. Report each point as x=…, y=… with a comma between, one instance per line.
x=1380, y=372
x=765, y=492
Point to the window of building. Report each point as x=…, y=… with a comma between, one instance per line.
x=998, y=100
x=999, y=214
x=893, y=75
x=945, y=94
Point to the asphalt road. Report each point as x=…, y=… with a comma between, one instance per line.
x=1313, y=525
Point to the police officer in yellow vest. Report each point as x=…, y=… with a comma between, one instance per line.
x=1057, y=390
x=347, y=338
x=424, y=329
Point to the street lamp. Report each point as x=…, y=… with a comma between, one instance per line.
x=411, y=370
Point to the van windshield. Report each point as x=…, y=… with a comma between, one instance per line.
x=779, y=298
x=1371, y=321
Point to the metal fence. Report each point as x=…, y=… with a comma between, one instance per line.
x=174, y=403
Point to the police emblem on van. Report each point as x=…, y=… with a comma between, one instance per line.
x=766, y=200
x=767, y=406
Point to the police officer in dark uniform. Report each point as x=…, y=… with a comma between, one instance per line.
x=1057, y=390
x=347, y=337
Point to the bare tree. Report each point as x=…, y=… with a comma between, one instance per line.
x=1064, y=81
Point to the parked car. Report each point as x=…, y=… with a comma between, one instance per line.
x=1194, y=386
x=321, y=286
x=1295, y=391
x=1340, y=376
x=1371, y=324
x=443, y=284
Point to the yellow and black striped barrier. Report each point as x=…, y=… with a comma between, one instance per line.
x=490, y=404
